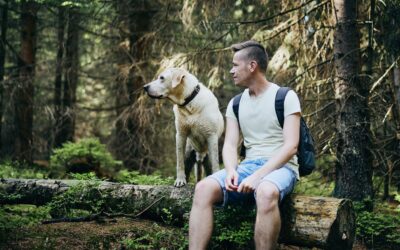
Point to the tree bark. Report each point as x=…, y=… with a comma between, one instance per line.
x=67, y=119
x=306, y=221
x=58, y=139
x=23, y=99
x=353, y=168
x=130, y=145
x=396, y=115
x=4, y=23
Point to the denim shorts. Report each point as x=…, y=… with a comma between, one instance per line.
x=283, y=178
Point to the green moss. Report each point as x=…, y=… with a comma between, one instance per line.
x=134, y=177
x=84, y=196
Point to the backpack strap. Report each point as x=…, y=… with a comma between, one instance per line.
x=235, y=106
x=279, y=104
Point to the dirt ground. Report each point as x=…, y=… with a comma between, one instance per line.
x=111, y=234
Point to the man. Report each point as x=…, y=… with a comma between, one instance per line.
x=269, y=171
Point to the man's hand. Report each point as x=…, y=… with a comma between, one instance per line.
x=231, y=180
x=249, y=184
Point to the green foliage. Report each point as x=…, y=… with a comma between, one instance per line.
x=84, y=177
x=86, y=198
x=89, y=149
x=11, y=169
x=378, y=229
x=234, y=228
x=156, y=238
x=134, y=177
x=16, y=216
x=167, y=216
x=315, y=185
x=9, y=197
x=79, y=200
x=318, y=182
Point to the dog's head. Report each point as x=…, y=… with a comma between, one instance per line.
x=168, y=83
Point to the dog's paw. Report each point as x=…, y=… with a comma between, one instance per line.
x=180, y=182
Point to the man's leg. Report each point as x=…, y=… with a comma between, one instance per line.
x=206, y=194
x=268, y=221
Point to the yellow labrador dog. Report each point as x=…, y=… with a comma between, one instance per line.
x=198, y=121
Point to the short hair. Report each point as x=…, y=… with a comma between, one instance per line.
x=254, y=51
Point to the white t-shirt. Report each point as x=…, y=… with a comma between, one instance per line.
x=262, y=133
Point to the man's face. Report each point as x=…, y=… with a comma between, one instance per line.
x=240, y=69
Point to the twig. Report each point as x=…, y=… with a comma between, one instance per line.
x=383, y=76
x=147, y=208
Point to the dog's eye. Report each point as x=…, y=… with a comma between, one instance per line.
x=161, y=78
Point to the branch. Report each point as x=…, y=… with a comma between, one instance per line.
x=383, y=76
x=270, y=17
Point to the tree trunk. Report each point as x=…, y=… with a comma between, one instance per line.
x=129, y=143
x=353, y=168
x=306, y=221
x=23, y=99
x=58, y=139
x=396, y=116
x=4, y=23
x=67, y=127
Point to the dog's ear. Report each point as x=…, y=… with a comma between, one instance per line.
x=178, y=79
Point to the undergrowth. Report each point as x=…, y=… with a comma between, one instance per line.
x=380, y=228
x=14, y=169
x=17, y=216
x=157, y=238
x=234, y=227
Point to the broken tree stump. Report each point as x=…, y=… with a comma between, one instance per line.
x=322, y=222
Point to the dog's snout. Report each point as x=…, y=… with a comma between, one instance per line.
x=146, y=88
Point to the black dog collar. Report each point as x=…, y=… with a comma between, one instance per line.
x=191, y=97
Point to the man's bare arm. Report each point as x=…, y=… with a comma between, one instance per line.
x=229, y=153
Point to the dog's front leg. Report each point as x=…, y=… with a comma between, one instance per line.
x=180, y=154
x=213, y=152
x=199, y=166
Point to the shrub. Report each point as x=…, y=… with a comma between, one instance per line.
x=84, y=156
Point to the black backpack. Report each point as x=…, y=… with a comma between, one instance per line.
x=305, y=150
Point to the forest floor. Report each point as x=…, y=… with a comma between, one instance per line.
x=118, y=233
x=121, y=233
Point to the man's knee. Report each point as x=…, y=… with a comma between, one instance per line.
x=207, y=192
x=267, y=197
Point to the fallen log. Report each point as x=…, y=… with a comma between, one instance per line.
x=323, y=222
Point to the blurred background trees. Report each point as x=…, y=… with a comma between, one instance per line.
x=75, y=69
